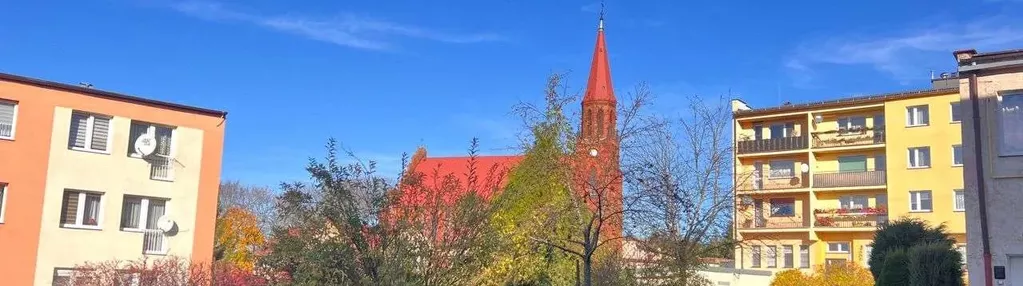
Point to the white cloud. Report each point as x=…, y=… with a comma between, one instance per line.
x=906, y=55
x=346, y=29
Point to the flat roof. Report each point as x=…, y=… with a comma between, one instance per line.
x=845, y=101
x=109, y=95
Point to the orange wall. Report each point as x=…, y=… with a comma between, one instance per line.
x=23, y=165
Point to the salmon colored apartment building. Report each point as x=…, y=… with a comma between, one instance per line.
x=91, y=175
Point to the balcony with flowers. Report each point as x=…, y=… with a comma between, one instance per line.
x=850, y=218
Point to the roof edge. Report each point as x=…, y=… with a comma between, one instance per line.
x=109, y=95
x=844, y=101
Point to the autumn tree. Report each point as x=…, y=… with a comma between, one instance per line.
x=682, y=175
x=238, y=237
x=257, y=200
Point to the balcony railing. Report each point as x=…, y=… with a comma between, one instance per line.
x=751, y=181
x=849, y=179
x=154, y=242
x=161, y=168
x=863, y=220
x=764, y=223
x=848, y=137
x=771, y=145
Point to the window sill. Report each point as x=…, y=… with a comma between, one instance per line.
x=921, y=211
x=839, y=252
x=89, y=150
x=955, y=122
x=135, y=230
x=164, y=253
x=959, y=211
x=918, y=125
x=162, y=179
x=85, y=227
x=957, y=165
x=917, y=168
x=7, y=138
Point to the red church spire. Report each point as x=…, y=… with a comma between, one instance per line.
x=599, y=87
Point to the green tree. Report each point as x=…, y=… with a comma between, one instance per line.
x=935, y=264
x=903, y=234
x=895, y=270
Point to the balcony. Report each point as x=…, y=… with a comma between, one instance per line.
x=765, y=223
x=851, y=218
x=771, y=145
x=849, y=179
x=751, y=181
x=848, y=137
x=154, y=242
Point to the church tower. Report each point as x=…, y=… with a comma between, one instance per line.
x=597, y=145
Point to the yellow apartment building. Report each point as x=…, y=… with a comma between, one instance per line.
x=813, y=181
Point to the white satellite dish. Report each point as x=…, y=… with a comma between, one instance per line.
x=805, y=168
x=165, y=223
x=145, y=144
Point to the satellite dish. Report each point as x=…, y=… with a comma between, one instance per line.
x=805, y=168
x=165, y=223
x=145, y=144
x=818, y=119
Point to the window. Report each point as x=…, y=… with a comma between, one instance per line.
x=962, y=252
x=8, y=116
x=164, y=137
x=89, y=132
x=917, y=115
x=959, y=200
x=81, y=209
x=852, y=164
x=804, y=256
x=62, y=276
x=920, y=201
x=782, y=130
x=755, y=252
x=141, y=213
x=3, y=200
x=880, y=162
x=1011, y=121
x=866, y=255
x=782, y=169
x=839, y=247
x=783, y=207
x=919, y=157
x=787, y=257
x=772, y=256
x=957, y=114
x=852, y=125
x=957, y=155
x=853, y=202
x=758, y=131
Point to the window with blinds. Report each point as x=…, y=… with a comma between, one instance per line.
x=81, y=209
x=164, y=137
x=7, y=117
x=804, y=256
x=89, y=132
x=140, y=213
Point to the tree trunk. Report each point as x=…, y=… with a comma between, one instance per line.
x=587, y=271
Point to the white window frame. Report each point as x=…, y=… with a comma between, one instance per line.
x=144, y=212
x=791, y=167
x=955, y=200
x=959, y=164
x=1002, y=149
x=804, y=263
x=852, y=200
x=915, y=197
x=788, y=256
x=785, y=131
x=14, y=121
x=914, y=121
x=772, y=256
x=152, y=130
x=756, y=256
x=916, y=155
x=89, y=125
x=952, y=109
x=841, y=249
x=962, y=249
x=80, y=215
x=848, y=128
x=3, y=201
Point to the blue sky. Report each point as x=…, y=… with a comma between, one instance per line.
x=386, y=76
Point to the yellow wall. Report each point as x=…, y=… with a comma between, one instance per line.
x=744, y=130
x=941, y=178
x=114, y=174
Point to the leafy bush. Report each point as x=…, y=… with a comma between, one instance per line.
x=903, y=234
x=895, y=269
x=791, y=277
x=935, y=264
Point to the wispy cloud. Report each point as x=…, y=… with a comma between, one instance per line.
x=346, y=29
x=905, y=55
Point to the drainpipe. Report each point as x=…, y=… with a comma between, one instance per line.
x=981, y=188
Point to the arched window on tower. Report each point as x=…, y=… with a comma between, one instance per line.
x=600, y=123
x=611, y=124
x=587, y=128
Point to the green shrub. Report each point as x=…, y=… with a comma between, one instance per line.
x=903, y=234
x=895, y=270
x=935, y=264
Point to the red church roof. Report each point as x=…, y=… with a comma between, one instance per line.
x=490, y=173
x=598, y=87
